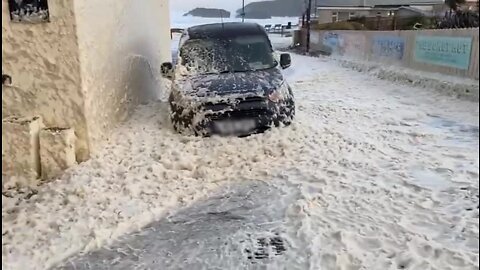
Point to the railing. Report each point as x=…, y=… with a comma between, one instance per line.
x=280, y=29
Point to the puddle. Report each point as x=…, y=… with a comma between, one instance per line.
x=431, y=179
x=453, y=126
x=240, y=227
x=456, y=134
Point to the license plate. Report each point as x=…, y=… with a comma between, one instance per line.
x=234, y=126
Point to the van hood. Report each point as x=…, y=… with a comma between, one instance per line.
x=260, y=82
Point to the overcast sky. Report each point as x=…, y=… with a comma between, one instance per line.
x=187, y=5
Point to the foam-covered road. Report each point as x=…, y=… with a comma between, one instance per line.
x=372, y=175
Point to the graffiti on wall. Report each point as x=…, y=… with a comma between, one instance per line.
x=345, y=43
x=334, y=41
x=392, y=47
x=444, y=51
x=29, y=11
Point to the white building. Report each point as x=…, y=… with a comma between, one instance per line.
x=87, y=67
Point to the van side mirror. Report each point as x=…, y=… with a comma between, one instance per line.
x=285, y=60
x=6, y=79
x=167, y=70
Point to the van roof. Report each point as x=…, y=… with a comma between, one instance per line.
x=225, y=30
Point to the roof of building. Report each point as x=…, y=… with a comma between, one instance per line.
x=414, y=10
x=224, y=30
x=356, y=8
x=374, y=3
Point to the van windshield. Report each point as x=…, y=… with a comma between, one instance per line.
x=210, y=56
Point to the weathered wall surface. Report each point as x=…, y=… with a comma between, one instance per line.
x=20, y=148
x=43, y=61
x=57, y=151
x=450, y=51
x=122, y=45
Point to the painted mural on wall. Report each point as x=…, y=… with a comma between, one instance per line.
x=334, y=41
x=29, y=11
x=391, y=47
x=348, y=44
x=444, y=51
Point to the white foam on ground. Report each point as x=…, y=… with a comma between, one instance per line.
x=461, y=87
x=353, y=152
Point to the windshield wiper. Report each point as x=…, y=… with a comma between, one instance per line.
x=260, y=69
x=237, y=71
x=216, y=72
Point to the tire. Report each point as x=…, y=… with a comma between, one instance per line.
x=175, y=123
x=290, y=114
x=178, y=122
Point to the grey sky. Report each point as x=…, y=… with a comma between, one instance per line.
x=187, y=5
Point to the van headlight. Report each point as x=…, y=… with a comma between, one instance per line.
x=280, y=94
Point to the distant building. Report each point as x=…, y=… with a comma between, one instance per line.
x=327, y=11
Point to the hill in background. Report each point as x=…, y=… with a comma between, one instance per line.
x=274, y=8
x=208, y=13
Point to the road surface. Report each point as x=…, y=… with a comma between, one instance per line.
x=373, y=175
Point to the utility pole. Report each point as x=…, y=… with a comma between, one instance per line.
x=309, y=11
x=243, y=10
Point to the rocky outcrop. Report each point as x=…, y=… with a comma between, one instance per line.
x=208, y=13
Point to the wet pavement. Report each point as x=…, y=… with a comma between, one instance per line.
x=240, y=228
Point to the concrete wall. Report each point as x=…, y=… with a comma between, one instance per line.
x=122, y=45
x=450, y=51
x=43, y=61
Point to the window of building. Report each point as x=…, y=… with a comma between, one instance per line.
x=379, y=14
x=29, y=11
x=334, y=16
x=351, y=15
